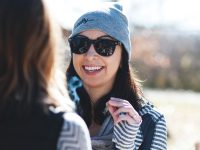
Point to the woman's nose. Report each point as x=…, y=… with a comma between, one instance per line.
x=91, y=52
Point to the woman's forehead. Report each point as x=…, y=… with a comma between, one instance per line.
x=93, y=34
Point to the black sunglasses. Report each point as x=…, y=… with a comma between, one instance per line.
x=103, y=46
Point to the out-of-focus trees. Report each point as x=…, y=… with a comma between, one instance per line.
x=167, y=58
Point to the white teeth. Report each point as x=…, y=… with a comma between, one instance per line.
x=92, y=68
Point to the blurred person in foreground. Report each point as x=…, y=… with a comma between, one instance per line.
x=109, y=96
x=35, y=110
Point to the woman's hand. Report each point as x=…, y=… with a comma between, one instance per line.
x=122, y=110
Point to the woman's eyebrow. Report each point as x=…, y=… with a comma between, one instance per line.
x=106, y=37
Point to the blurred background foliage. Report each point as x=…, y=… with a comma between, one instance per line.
x=167, y=58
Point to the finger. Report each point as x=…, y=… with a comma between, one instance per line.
x=118, y=100
x=118, y=106
x=112, y=110
x=137, y=118
x=117, y=103
x=113, y=113
x=131, y=120
x=115, y=117
x=127, y=118
x=127, y=109
x=127, y=106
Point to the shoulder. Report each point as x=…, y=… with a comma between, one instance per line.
x=149, y=110
x=152, y=119
x=74, y=133
x=153, y=128
x=72, y=121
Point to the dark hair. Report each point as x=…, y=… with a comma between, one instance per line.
x=126, y=86
x=27, y=57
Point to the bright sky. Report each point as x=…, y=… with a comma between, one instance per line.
x=183, y=14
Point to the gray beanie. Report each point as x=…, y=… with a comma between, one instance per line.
x=109, y=20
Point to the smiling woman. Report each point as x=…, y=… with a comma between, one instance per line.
x=111, y=100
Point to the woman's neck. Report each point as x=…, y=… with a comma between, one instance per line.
x=96, y=93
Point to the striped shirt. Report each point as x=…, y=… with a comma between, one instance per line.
x=130, y=137
x=126, y=136
x=74, y=134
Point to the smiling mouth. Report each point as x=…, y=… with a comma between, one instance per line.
x=92, y=68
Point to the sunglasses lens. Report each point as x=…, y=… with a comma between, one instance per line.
x=79, y=45
x=105, y=47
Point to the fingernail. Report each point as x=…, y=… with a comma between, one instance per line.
x=112, y=99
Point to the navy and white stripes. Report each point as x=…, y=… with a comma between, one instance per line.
x=130, y=137
x=160, y=135
x=124, y=135
x=159, y=141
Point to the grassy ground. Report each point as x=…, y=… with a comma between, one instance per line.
x=182, y=112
